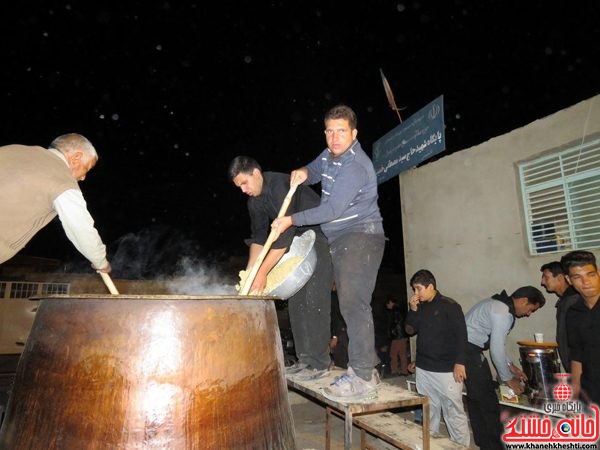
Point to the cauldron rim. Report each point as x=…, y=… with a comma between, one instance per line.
x=153, y=297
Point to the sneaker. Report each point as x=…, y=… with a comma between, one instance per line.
x=351, y=385
x=295, y=368
x=310, y=373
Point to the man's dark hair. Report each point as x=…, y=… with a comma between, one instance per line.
x=423, y=277
x=554, y=267
x=342, y=112
x=242, y=164
x=533, y=295
x=577, y=258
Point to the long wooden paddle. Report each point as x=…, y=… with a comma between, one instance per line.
x=259, y=260
x=109, y=284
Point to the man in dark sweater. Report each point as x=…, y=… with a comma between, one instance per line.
x=555, y=281
x=441, y=332
x=583, y=324
x=310, y=307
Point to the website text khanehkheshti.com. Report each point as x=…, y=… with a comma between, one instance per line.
x=550, y=445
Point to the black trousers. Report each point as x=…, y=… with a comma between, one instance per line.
x=482, y=401
x=310, y=310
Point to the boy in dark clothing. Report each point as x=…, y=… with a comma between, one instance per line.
x=441, y=332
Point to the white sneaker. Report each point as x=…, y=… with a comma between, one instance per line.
x=295, y=368
x=351, y=385
x=310, y=373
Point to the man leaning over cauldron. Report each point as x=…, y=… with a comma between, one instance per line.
x=488, y=324
x=36, y=184
x=310, y=307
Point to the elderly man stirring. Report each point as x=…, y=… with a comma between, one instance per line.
x=36, y=184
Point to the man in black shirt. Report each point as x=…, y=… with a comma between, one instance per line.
x=583, y=324
x=554, y=280
x=441, y=332
x=310, y=308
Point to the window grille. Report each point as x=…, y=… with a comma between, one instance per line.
x=23, y=290
x=55, y=288
x=561, y=198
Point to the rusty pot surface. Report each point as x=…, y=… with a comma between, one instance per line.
x=151, y=372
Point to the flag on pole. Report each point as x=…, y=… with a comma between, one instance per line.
x=390, y=94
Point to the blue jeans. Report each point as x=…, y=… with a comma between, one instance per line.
x=356, y=258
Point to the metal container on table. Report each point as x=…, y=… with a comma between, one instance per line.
x=146, y=372
x=539, y=362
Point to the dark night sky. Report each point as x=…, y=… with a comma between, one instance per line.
x=170, y=92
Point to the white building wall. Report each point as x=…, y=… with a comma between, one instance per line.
x=462, y=216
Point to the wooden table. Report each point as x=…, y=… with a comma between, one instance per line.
x=388, y=397
x=523, y=402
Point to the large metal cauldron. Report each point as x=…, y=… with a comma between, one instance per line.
x=151, y=372
x=540, y=363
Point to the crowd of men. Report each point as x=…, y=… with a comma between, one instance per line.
x=450, y=346
x=349, y=243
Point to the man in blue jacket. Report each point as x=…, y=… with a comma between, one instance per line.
x=350, y=219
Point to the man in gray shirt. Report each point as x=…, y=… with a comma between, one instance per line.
x=488, y=324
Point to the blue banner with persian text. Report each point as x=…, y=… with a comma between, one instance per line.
x=413, y=141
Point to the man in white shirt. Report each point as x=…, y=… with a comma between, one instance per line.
x=36, y=184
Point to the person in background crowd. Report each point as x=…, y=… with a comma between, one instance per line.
x=310, y=307
x=555, y=281
x=439, y=324
x=350, y=218
x=488, y=324
x=37, y=184
x=398, y=353
x=382, y=321
x=583, y=324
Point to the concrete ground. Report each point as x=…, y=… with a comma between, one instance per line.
x=309, y=422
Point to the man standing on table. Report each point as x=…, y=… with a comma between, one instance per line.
x=350, y=218
x=36, y=184
x=310, y=307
